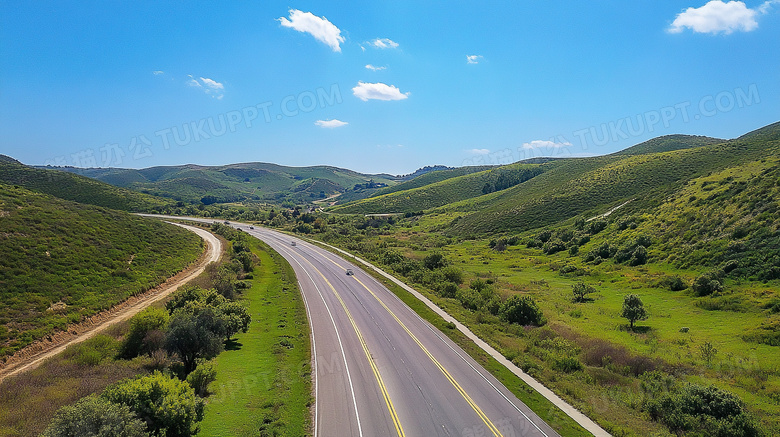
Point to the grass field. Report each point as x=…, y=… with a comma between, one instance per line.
x=28, y=401
x=263, y=384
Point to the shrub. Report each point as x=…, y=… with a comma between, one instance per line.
x=596, y=226
x=567, y=364
x=673, y=283
x=449, y=290
x=434, y=261
x=141, y=325
x=521, y=310
x=169, y=406
x=92, y=351
x=581, y=290
x=94, y=416
x=639, y=256
x=453, y=274
x=553, y=246
x=707, y=284
x=702, y=411
x=204, y=374
x=469, y=298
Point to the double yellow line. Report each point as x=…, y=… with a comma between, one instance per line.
x=446, y=373
x=396, y=422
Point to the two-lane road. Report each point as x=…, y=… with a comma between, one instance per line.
x=381, y=370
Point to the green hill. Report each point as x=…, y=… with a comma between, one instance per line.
x=449, y=190
x=669, y=143
x=235, y=182
x=431, y=178
x=61, y=261
x=577, y=186
x=77, y=188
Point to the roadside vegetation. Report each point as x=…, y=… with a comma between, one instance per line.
x=156, y=371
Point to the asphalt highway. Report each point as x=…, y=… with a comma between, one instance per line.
x=381, y=370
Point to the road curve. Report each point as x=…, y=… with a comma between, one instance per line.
x=121, y=311
x=381, y=370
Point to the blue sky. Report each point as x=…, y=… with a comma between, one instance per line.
x=376, y=86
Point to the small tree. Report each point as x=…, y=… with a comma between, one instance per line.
x=193, y=336
x=580, y=291
x=235, y=317
x=434, y=261
x=708, y=352
x=633, y=309
x=93, y=416
x=521, y=310
x=169, y=406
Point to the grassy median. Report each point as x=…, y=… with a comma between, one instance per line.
x=263, y=384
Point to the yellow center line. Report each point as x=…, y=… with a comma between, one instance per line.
x=447, y=374
x=399, y=429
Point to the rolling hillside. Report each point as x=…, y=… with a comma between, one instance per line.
x=73, y=187
x=61, y=261
x=594, y=185
x=443, y=192
x=235, y=182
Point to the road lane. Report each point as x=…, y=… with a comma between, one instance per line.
x=380, y=369
x=436, y=388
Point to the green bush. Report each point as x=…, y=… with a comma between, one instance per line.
x=567, y=364
x=449, y=290
x=699, y=410
x=453, y=274
x=521, y=310
x=136, y=342
x=93, y=351
x=168, y=406
x=95, y=417
x=673, y=283
x=707, y=284
x=204, y=374
x=581, y=291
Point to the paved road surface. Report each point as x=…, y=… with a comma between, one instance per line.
x=381, y=369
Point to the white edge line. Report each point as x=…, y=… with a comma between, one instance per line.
x=338, y=337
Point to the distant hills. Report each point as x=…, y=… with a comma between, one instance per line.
x=551, y=191
x=68, y=186
x=254, y=181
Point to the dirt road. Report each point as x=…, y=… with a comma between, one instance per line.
x=33, y=355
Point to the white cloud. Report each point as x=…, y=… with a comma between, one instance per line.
x=478, y=151
x=330, y=124
x=212, y=84
x=383, y=43
x=717, y=16
x=374, y=68
x=545, y=144
x=473, y=59
x=209, y=86
x=158, y=72
x=377, y=91
x=318, y=27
